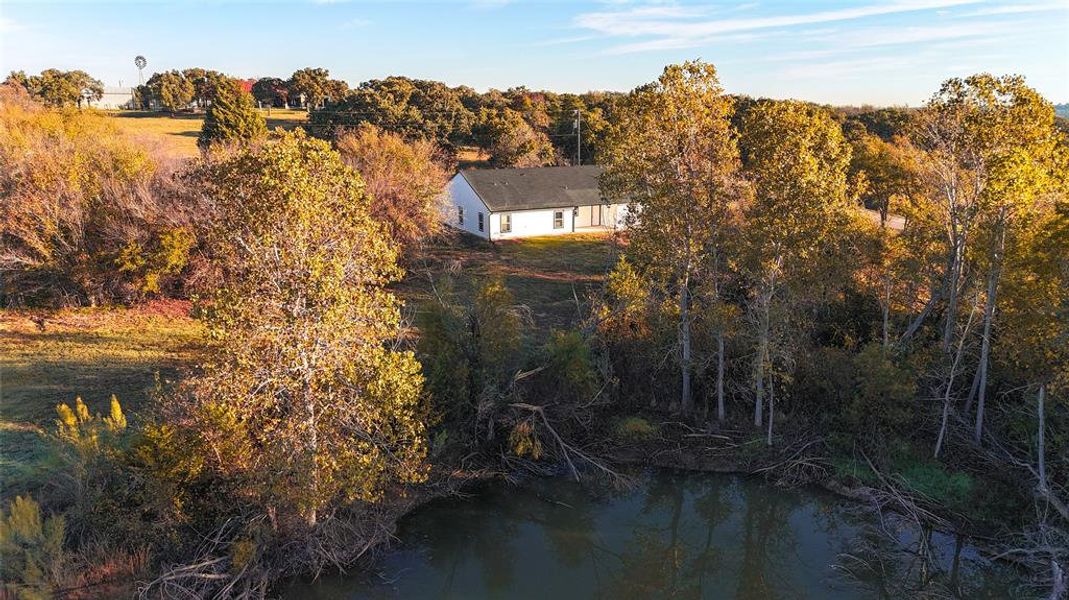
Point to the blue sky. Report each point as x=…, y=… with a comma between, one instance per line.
x=869, y=51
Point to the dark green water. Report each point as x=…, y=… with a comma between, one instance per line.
x=670, y=535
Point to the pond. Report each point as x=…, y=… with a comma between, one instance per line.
x=670, y=534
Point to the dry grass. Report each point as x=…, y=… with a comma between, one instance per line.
x=179, y=133
x=546, y=275
x=92, y=353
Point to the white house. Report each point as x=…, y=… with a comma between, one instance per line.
x=115, y=98
x=499, y=204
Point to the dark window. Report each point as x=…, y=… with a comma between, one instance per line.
x=506, y=223
x=460, y=215
x=558, y=219
x=480, y=221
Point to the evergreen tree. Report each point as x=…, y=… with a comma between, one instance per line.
x=231, y=117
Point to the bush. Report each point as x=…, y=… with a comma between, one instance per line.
x=571, y=366
x=931, y=479
x=31, y=550
x=89, y=216
x=634, y=429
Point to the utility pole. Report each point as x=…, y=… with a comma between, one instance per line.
x=578, y=126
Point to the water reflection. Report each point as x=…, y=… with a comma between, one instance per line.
x=672, y=536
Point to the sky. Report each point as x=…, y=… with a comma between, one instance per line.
x=880, y=52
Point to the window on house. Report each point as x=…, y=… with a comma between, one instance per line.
x=558, y=219
x=460, y=215
x=506, y=223
x=480, y=221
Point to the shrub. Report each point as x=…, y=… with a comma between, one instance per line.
x=404, y=178
x=634, y=429
x=942, y=486
x=31, y=550
x=571, y=366
x=89, y=216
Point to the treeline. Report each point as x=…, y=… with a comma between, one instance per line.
x=517, y=127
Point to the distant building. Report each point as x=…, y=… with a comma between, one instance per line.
x=115, y=98
x=498, y=204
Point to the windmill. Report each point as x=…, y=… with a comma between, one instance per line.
x=140, y=62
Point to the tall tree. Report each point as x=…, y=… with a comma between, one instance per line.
x=512, y=142
x=270, y=91
x=328, y=410
x=171, y=90
x=989, y=143
x=797, y=159
x=61, y=88
x=673, y=154
x=232, y=117
x=309, y=85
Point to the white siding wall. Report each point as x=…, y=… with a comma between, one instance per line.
x=461, y=195
x=527, y=223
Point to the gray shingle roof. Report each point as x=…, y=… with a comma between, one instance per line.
x=542, y=187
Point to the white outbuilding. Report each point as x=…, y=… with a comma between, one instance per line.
x=500, y=204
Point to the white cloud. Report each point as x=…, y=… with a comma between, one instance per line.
x=674, y=27
x=1013, y=9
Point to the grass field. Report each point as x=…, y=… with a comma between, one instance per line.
x=92, y=353
x=547, y=275
x=179, y=133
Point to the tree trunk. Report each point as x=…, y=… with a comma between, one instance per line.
x=989, y=317
x=771, y=410
x=1041, y=446
x=950, y=385
x=953, y=274
x=919, y=320
x=762, y=346
x=720, y=412
x=972, y=393
x=686, y=403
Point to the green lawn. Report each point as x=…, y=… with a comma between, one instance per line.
x=179, y=133
x=92, y=353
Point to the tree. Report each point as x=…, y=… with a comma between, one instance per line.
x=329, y=410
x=673, y=154
x=989, y=144
x=206, y=84
x=405, y=180
x=512, y=141
x=271, y=91
x=796, y=157
x=171, y=90
x=309, y=85
x=61, y=88
x=412, y=108
x=885, y=170
x=232, y=117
